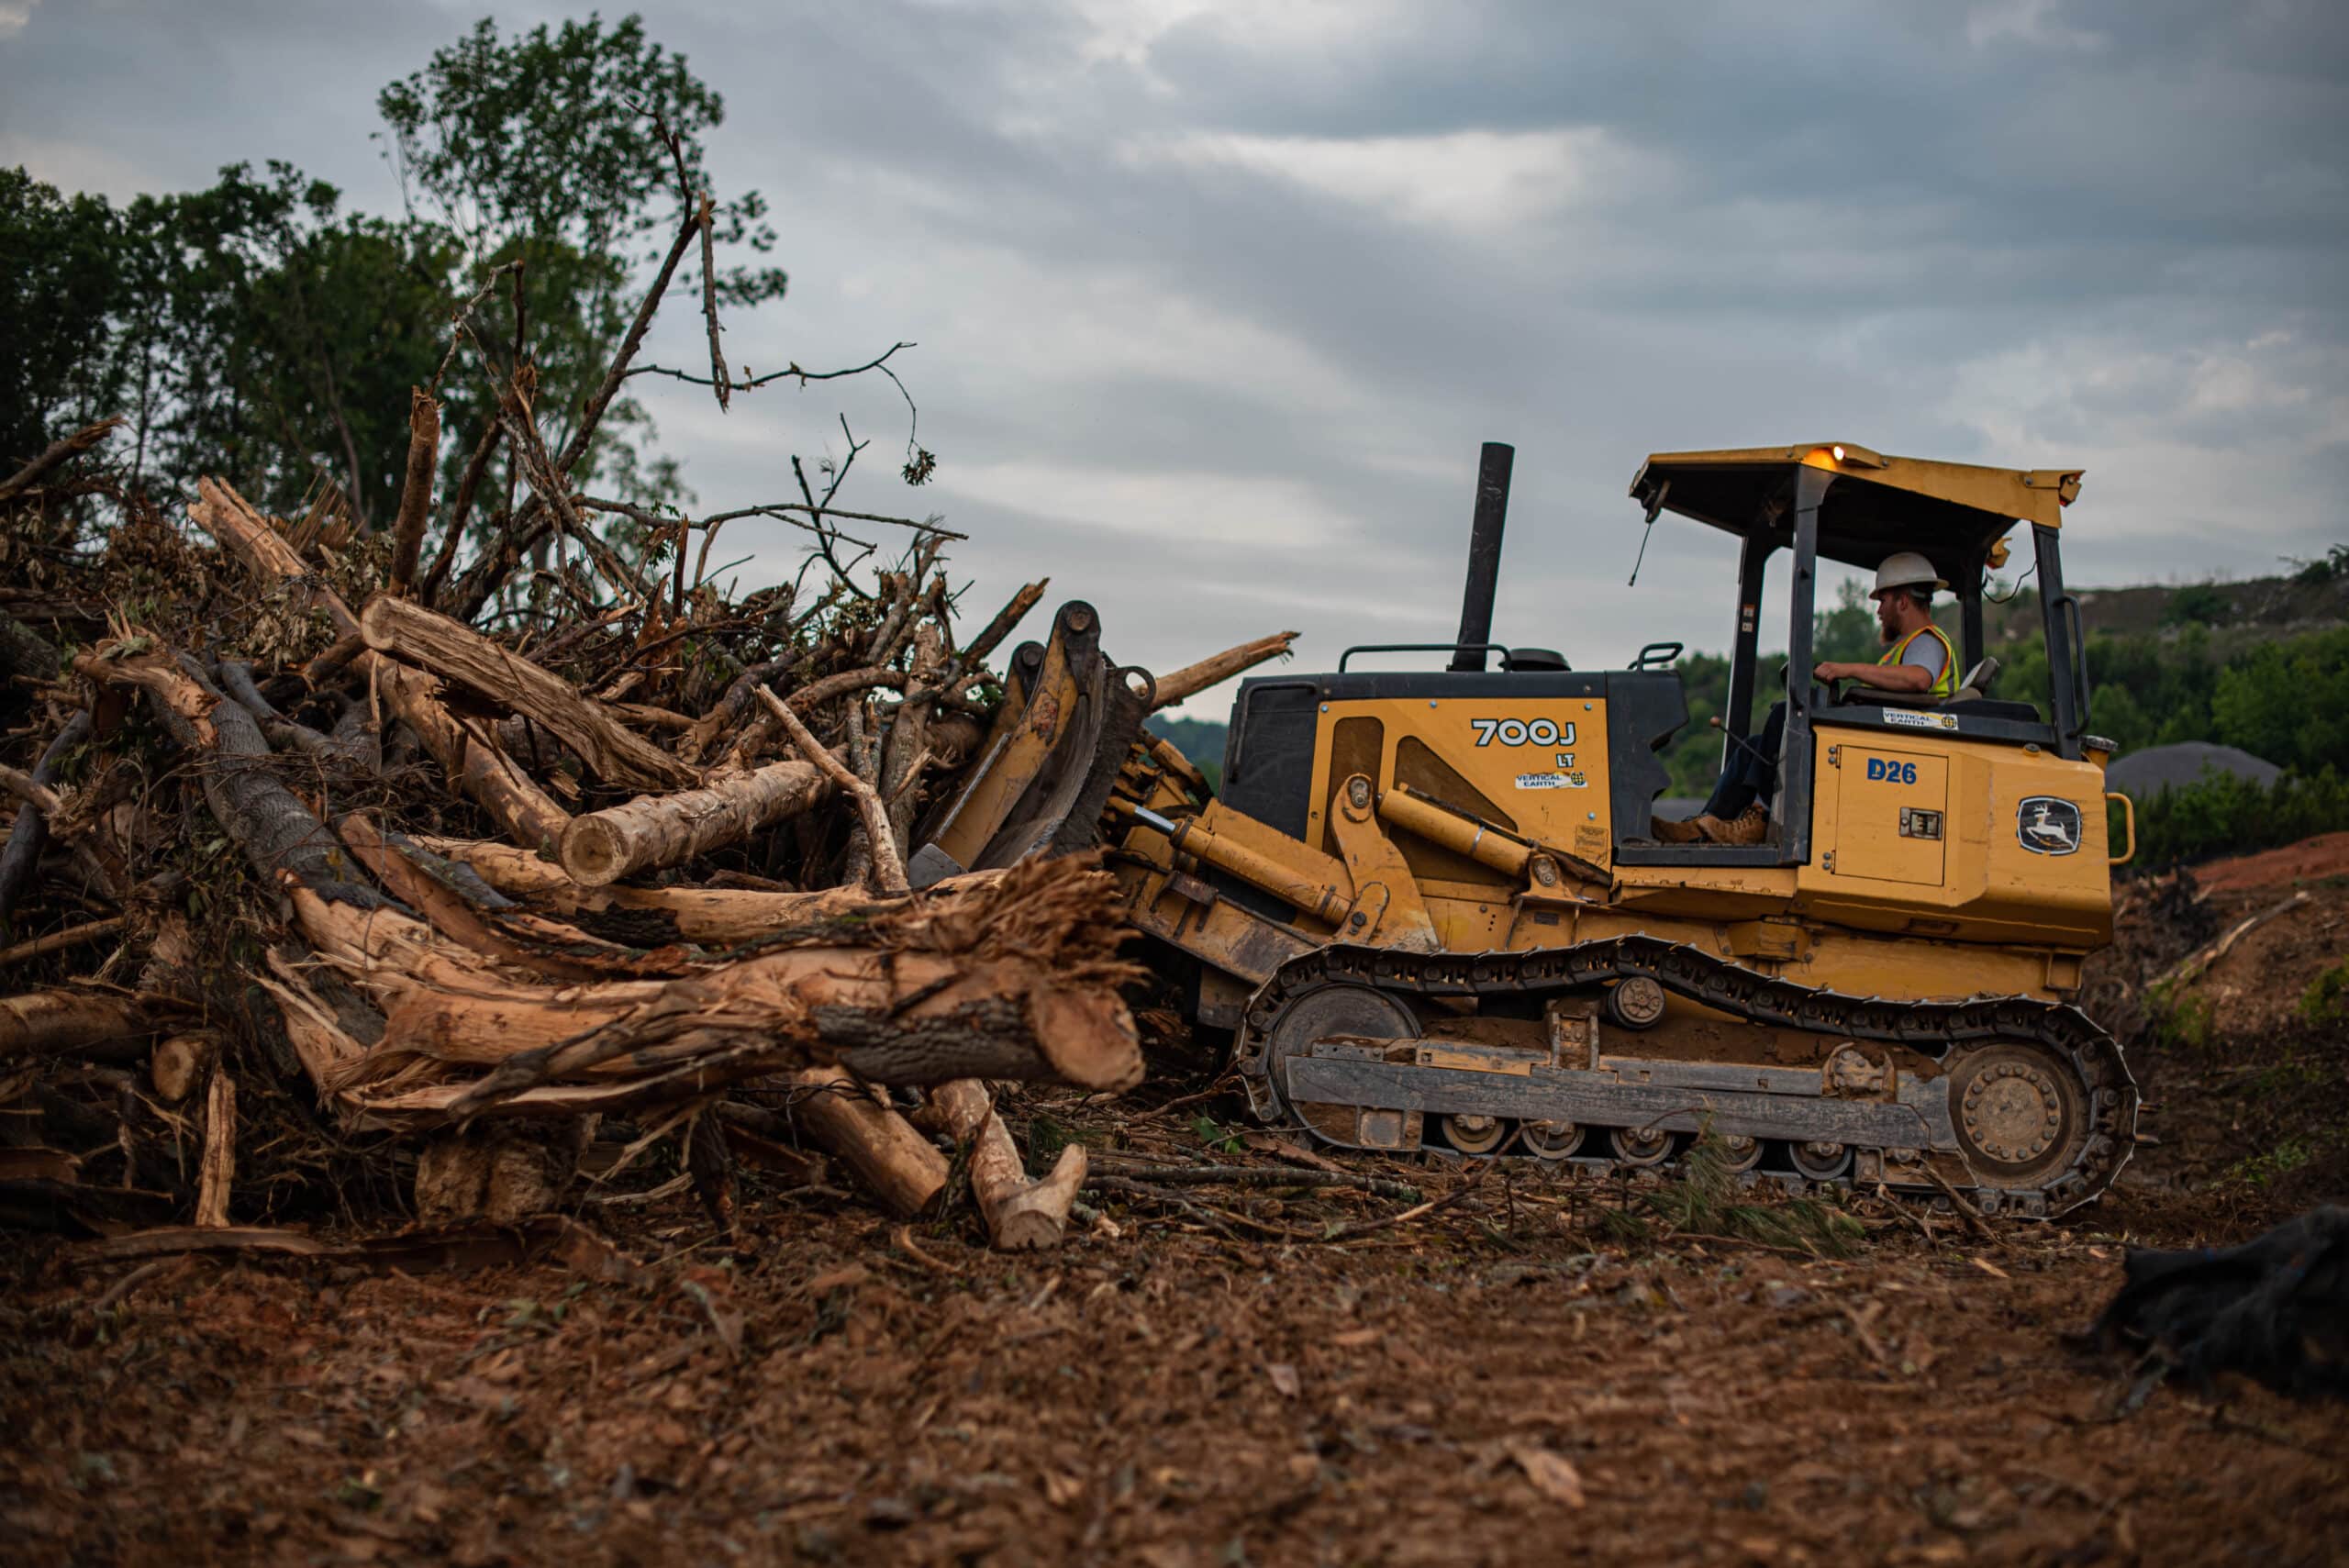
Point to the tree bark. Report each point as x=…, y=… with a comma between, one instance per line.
x=461, y=654
x=1020, y=1215
x=218, y=1170
x=655, y=831
x=706, y=915
x=415, y=493
x=1192, y=679
x=889, y=869
x=30, y=834
x=269, y=823
x=1015, y=979
x=492, y=779
x=900, y=1166
x=88, y=1024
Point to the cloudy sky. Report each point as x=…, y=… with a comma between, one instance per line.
x=1215, y=300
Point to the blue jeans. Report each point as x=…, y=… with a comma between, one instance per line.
x=1746, y=778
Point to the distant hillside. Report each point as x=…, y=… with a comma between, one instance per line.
x=2258, y=609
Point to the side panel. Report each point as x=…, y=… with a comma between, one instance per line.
x=1534, y=767
x=1892, y=809
x=2021, y=856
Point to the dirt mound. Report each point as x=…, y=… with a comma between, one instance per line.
x=2311, y=859
x=2225, y=986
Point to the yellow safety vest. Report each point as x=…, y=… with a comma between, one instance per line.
x=1945, y=684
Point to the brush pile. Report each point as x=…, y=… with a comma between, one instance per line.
x=333, y=880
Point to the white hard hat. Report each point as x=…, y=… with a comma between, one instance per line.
x=1905, y=569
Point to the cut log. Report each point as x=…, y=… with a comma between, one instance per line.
x=900, y=1166
x=179, y=1062
x=1192, y=679
x=1020, y=1215
x=907, y=751
x=491, y=778
x=1016, y=979
x=655, y=830
x=90, y=1025
x=278, y=833
x=460, y=907
x=706, y=914
x=218, y=1171
x=458, y=653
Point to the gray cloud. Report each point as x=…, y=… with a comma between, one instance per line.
x=1216, y=300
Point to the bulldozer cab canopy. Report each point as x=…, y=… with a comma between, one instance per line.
x=1952, y=513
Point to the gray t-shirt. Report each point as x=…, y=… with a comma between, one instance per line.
x=1926, y=652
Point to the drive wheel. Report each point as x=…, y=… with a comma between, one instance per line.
x=2018, y=1113
x=1361, y=1012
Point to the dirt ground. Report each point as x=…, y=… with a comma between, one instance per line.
x=1504, y=1380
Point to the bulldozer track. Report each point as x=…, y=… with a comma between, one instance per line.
x=1948, y=1031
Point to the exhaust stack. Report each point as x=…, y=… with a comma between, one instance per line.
x=1484, y=555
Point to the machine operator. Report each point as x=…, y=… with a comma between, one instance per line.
x=1919, y=658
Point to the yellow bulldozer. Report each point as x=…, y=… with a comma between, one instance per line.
x=1431, y=909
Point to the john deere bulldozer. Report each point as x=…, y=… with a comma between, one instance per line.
x=1428, y=907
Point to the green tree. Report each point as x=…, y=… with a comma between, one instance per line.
x=257, y=330
x=1848, y=633
x=545, y=147
x=276, y=338
x=60, y=291
x=2289, y=702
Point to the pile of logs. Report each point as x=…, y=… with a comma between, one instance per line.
x=302, y=861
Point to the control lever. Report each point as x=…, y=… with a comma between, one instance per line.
x=1740, y=742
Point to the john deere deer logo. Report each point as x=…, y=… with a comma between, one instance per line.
x=2048, y=826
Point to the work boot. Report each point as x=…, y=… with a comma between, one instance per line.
x=1748, y=826
x=1664, y=830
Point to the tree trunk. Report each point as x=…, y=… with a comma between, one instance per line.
x=655, y=831
x=87, y=1024
x=1192, y=679
x=416, y=493
x=502, y=790
x=277, y=832
x=706, y=914
x=461, y=654
x=1015, y=979
x=900, y=1166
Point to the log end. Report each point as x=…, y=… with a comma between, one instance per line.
x=1035, y=1219
x=595, y=853
x=1088, y=1037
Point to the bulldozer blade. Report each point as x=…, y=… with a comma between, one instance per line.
x=1050, y=759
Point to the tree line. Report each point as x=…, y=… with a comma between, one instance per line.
x=262, y=330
